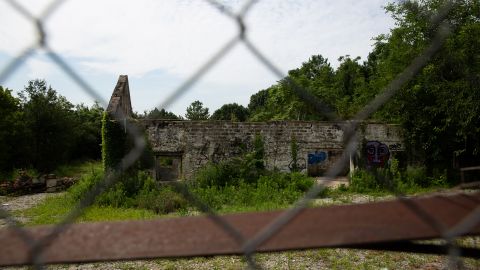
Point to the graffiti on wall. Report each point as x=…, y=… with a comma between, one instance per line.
x=316, y=162
x=317, y=157
x=297, y=166
x=377, y=154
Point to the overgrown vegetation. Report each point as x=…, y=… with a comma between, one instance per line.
x=239, y=184
x=272, y=190
x=42, y=129
x=114, y=142
x=392, y=180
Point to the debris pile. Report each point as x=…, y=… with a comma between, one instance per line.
x=26, y=184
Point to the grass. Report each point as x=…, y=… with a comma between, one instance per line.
x=270, y=192
x=54, y=209
x=78, y=168
x=74, y=169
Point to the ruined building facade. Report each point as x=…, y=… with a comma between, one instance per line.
x=182, y=147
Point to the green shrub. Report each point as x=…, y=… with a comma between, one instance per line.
x=86, y=182
x=393, y=179
x=115, y=196
x=221, y=174
x=162, y=201
x=272, y=190
x=133, y=190
x=247, y=168
x=363, y=181
x=416, y=176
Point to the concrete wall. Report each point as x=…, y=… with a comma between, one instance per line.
x=320, y=144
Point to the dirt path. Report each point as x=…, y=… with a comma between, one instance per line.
x=13, y=204
x=333, y=183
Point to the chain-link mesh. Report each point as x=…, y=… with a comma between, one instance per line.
x=249, y=245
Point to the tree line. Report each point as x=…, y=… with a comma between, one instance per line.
x=41, y=129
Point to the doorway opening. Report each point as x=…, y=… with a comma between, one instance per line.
x=168, y=166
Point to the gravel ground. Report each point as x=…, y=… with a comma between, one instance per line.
x=13, y=204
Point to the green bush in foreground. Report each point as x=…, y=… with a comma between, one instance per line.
x=270, y=190
x=225, y=187
x=133, y=190
x=247, y=168
x=392, y=179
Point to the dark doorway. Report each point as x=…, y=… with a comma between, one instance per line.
x=168, y=166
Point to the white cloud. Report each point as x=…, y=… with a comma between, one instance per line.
x=137, y=37
x=116, y=36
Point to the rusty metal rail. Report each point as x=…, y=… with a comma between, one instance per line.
x=381, y=225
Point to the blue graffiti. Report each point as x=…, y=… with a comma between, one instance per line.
x=317, y=157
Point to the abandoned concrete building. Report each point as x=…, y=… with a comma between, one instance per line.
x=182, y=147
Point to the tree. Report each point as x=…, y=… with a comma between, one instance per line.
x=350, y=84
x=50, y=121
x=196, y=111
x=348, y=76
x=161, y=114
x=12, y=131
x=440, y=107
x=258, y=101
x=231, y=112
x=88, y=126
x=283, y=101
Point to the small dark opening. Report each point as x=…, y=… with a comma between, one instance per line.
x=168, y=167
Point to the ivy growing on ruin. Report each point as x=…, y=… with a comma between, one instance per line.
x=114, y=142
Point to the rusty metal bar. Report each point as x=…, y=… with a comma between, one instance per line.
x=334, y=226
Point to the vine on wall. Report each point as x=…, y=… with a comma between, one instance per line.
x=114, y=142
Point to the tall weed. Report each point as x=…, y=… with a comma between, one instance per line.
x=393, y=179
x=132, y=190
x=272, y=190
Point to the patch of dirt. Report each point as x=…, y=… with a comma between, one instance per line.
x=24, y=202
x=333, y=183
x=13, y=204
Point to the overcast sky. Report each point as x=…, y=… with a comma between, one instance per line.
x=160, y=43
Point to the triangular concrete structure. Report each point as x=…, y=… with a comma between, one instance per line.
x=120, y=100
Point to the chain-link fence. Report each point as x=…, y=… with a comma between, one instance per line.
x=433, y=217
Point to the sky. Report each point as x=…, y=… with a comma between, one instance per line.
x=159, y=44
